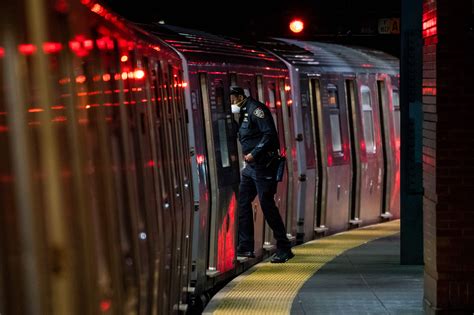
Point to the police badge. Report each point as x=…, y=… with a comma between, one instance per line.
x=259, y=113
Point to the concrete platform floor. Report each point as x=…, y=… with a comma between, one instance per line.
x=365, y=280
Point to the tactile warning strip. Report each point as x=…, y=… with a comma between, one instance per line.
x=271, y=288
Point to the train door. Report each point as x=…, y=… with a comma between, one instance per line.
x=274, y=103
x=256, y=83
x=372, y=168
x=142, y=190
x=395, y=196
x=249, y=84
x=116, y=196
x=202, y=208
x=310, y=161
x=158, y=153
x=223, y=171
x=319, y=145
x=181, y=189
x=335, y=213
x=388, y=146
x=290, y=149
x=356, y=154
x=172, y=207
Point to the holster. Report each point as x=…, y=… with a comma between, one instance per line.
x=278, y=163
x=280, y=171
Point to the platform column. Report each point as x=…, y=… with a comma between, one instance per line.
x=411, y=183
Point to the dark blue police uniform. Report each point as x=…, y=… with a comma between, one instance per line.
x=258, y=135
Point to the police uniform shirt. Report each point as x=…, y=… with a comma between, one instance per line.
x=257, y=132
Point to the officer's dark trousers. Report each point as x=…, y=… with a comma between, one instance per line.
x=252, y=185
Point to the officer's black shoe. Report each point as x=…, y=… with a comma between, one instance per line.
x=282, y=256
x=248, y=254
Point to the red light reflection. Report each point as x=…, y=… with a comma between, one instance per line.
x=330, y=160
x=139, y=74
x=97, y=8
x=226, y=239
x=59, y=119
x=35, y=110
x=61, y=6
x=81, y=46
x=81, y=79
x=200, y=159
x=52, y=48
x=105, y=305
x=105, y=43
x=429, y=91
x=27, y=49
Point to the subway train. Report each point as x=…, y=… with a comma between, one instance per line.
x=120, y=168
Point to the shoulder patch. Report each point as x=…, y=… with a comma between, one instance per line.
x=259, y=113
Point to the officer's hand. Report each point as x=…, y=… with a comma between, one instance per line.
x=248, y=158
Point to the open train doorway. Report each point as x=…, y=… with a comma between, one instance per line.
x=386, y=143
x=355, y=149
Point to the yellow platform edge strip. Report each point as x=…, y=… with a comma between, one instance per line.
x=271, y=288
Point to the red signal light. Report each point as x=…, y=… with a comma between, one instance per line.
x=296, y=26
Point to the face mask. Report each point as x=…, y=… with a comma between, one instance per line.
x=235, y=109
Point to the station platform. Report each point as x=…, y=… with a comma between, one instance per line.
x=354, y=272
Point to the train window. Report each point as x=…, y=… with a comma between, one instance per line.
x=260, y=89
x=219, y=90
x=334, y=119
x=271, y=102
x=233, y=78
x=176, y=93
x=158, y=93
x=335, y=133
x=248, y=88
x=223, y=143
x=271, y=95
x=396, y=112
x=367, y=119
x=332, y=95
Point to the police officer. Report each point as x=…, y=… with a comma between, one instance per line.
x=260, y=145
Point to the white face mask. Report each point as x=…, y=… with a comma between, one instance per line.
x=235, y=109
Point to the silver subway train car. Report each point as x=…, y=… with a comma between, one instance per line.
x=213, y=64
x=348, y=113
x=96, y=200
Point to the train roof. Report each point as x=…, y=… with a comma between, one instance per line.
x=198, y=46
x=332, y=57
